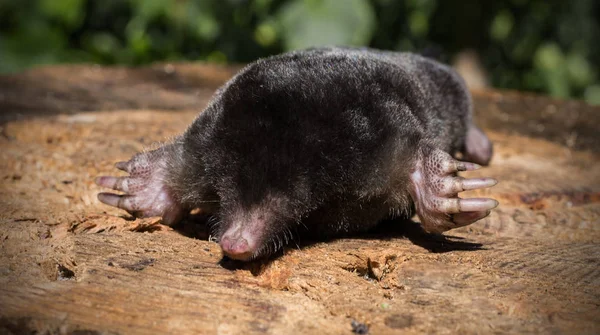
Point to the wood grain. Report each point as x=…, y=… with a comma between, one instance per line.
x=68, y=264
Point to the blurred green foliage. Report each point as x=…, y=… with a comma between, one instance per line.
x=548, y=46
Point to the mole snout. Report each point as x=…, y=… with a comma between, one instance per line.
x=239, y=243
x=236, y=248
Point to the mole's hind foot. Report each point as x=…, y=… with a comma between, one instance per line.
x=478, y=148
x=435, y=186
x=145, y=193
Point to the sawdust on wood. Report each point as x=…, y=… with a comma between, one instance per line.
x=69, y=263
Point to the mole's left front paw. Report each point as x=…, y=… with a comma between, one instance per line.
x=435, y=187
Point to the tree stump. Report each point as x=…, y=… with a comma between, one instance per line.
x=69, y=264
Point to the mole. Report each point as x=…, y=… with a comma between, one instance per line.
x=324, y=142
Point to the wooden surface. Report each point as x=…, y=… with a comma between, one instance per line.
x=70, y=265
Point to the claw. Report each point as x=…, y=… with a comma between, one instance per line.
x=475, y=183
x=457, y=205
x=451, y=166
x=123, y=184
x=122, y=201
x=123, y=166
x=477, y=204
x=454, y=185
x=466, y=218
x=116, y=183
x=466, y=166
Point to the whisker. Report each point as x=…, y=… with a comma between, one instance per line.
x=299, y=221
x=285, y=236
x=213, y=224
x=279, y=243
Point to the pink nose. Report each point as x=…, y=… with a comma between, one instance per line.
x=236, y=248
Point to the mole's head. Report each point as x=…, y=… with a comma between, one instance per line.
x=250, y=231
x=265, y=187
x=271, y=151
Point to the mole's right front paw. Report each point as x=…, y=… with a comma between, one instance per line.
x=435, y=187
x=145, y=194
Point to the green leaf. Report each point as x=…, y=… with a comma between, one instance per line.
x=592, y=95
x=102, y=43
x=549, y=60
x=69, y=12
x=579, y=70
x=265, y=34
x=418, y=23
x=150, y=9
x=38, y=44
x=548, y=57
x=502, y=25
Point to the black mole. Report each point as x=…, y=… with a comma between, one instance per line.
x=321, y=141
